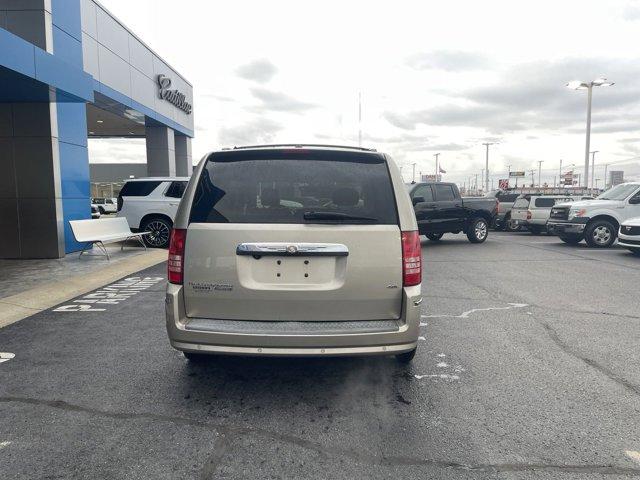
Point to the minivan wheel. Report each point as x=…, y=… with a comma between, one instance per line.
x=434, y=237
x=478, y=230
x=101, y=210
x=160, y=232
x=406, y=357
x=571, y=239
x=600, y=234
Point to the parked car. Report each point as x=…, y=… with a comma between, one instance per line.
x=596, y=221
x=106, y=205
x=295, y=250
x=532, y=211
x=629, y=235
x=150, y=205
x=503, y=220
x=440, y=209
x=95, y=212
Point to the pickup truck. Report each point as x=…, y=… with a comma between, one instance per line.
x=596, y=221
x=440, y=209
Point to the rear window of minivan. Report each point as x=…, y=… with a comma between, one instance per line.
x=294, y=186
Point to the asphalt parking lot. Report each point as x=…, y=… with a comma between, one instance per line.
x=527, y=368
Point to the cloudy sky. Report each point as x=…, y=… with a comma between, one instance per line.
x=434, y=77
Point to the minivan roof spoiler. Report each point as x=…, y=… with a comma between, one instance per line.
x=302, y=145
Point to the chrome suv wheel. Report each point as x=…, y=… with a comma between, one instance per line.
x=478, y=230
x=159, y=233
x=600, y=234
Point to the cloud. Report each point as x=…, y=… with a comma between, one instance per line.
x=272, y=101
x=260, y=71
x=255, y=131
x=631, y=12
x=533, y=96
x=450, y=61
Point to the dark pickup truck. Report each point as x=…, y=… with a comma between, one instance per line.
x=440, y=209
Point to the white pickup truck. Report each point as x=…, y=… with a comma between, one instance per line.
x=596, y=221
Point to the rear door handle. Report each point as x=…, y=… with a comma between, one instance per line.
x=293, y=249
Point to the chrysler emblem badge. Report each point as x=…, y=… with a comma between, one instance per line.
x=292, y=249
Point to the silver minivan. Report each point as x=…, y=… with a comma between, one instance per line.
x=295, y=251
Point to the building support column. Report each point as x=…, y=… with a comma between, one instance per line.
x=184, y=163
x=161, y=154
x=31, y=210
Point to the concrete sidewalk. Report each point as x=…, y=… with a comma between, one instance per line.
x=30, y=286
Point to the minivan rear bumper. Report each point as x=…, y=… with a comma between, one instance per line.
x=331, y=338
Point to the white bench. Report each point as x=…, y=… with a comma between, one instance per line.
x=99, y=232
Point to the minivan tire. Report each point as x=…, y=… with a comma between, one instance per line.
x=478, y=230
x=434, y=237
x=571, y=239
x=160, y=229
x=406, y=357
x=600, y=234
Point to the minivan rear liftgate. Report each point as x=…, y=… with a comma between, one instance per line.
x=300, y=235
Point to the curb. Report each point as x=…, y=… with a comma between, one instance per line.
x=22, y=305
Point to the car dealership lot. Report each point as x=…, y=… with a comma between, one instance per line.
x=528, y=369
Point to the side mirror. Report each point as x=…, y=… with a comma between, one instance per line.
x=634, y=200
x=417, y=200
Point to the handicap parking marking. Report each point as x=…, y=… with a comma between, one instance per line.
x=112, y=294
x=633, y=455
x=452, y=375
x=6, y=356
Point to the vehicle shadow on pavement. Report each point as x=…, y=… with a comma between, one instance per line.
x=260, y=382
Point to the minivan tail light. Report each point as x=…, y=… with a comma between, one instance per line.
x=411, y=259
x=528, y=214
x=175, y=264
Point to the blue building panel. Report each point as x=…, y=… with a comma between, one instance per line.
x=63, y=75
x=17, y=54
x=67, y=48
x=65, y=14
x=74, y=209
x=72, y=121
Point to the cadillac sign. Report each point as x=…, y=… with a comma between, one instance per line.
x=179, y=99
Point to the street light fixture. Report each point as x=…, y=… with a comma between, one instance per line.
x=579, y=85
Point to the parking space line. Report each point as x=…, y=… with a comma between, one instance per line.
x=469, y=312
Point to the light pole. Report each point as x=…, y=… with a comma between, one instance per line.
x=606, y=165
x=593, y=166
x=486, y=165
x=437, y=165
x=578, y=85
x=540, y=172
x=560, y=173
x=533, y=181
x=413, y=175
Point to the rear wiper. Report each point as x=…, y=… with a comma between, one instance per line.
x=336, y=216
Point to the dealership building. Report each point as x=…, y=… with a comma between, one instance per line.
x=69, y=71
